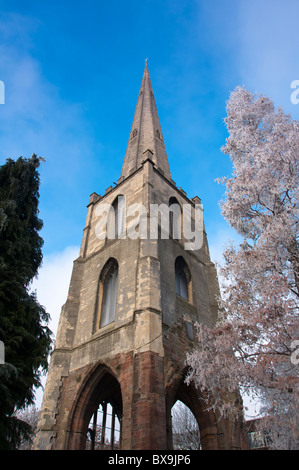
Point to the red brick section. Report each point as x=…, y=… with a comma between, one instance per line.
x=148, y=403
x=146, y=386
x=141, y=382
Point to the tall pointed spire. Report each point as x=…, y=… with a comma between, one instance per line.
x=146, y=133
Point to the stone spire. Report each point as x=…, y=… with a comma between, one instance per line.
x=146, y=139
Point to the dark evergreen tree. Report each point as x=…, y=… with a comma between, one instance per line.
x=23, y=321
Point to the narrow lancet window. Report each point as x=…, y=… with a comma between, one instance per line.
x=182, y=279
x=108, y=293
x=116, y=218
x=175, y=218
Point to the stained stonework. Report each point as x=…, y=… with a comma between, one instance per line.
x=137, y=361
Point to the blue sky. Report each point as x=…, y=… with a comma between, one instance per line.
x=72, y=72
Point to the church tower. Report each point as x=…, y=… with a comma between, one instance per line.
x=142, y=279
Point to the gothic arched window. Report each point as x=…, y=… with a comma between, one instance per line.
x=182, y=279
x=116, y=218
x=107, y=296
x=175, y=218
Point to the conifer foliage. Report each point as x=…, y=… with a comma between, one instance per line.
x=254, y=344
x=23, y=321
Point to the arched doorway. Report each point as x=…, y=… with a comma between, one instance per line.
x=193, y=399
x=97, y=413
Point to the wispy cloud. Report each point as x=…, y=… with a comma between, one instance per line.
x=268, y=54
x=37, y=118
x=51, y=287
x=53, y=281
x=35, y=114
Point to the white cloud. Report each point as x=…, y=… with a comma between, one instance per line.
x=36, y=116
x=51, y=288
x=53, y=282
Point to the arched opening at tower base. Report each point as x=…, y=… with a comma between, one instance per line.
x=97, y=413
x=193, y=399
x=213, y=432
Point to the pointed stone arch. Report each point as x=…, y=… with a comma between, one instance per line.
x=215, y=433
x=193, y=398
x=100, y=385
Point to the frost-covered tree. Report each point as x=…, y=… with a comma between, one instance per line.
x=185, y=430
x=30, y=416
x=252, y=346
